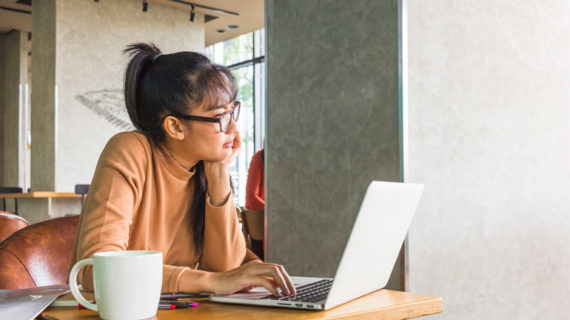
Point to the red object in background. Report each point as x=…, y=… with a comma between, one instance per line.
x=255, y=188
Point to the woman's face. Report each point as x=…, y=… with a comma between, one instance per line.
x=204, y=140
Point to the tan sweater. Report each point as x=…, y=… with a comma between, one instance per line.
x=140, y=199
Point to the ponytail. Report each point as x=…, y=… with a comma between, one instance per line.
x=142, y=56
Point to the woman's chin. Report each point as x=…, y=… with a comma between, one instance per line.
x=219, y=157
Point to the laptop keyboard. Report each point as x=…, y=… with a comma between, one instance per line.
x=312, y=292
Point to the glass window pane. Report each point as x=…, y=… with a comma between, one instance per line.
x=259, y=40
x=244, y=78
x=238, y=49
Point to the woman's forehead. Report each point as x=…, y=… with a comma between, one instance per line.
x=207, y=107
x=220, y=99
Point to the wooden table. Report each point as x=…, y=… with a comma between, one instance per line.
x=382, y=304
x=39, y=195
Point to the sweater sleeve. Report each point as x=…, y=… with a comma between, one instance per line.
x=254, y=180
x=224, y=245
x=113, y=194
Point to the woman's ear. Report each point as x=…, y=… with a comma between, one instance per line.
x=173, y=128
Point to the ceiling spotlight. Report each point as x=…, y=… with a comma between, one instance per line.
x=221, y=30
x=232, y=26
x=145, y=6
x=192, y=14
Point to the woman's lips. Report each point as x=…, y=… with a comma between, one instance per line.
x=228, y=144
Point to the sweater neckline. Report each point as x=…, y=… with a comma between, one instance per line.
x=171, y=164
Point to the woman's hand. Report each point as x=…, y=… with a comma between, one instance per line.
x=218, y=175
x=253, y=274
x=236, y=148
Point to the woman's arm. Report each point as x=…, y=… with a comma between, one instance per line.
x=113, y=195
x=224, y=244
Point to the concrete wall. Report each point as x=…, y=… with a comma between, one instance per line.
x=332, y=123
x=489, y=96
x=43, y=99
x=13, y=78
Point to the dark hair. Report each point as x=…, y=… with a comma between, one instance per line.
x=157, y=84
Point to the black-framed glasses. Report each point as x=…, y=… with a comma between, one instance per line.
x=224, y=120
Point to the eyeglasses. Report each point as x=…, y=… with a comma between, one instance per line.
x=224, y=120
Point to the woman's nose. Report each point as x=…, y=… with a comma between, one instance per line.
x=233, y=126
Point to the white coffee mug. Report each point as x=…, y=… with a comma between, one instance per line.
x=127, y=283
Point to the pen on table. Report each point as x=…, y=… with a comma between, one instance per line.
x=181, y=295
x=176, y=304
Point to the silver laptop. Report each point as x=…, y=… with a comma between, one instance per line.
x=368, y=259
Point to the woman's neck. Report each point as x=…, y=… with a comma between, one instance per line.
x=175, y=151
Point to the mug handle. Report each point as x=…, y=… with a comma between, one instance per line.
x=73, y=284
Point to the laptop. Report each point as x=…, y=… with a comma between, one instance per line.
x=30, y=302
x=368, y=258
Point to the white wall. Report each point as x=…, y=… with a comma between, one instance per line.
x=90, y=38
x=489, y=97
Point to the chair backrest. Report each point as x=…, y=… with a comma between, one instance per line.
x=38, y=255
x=253, y=226
x=10, y=223
x=11, y=190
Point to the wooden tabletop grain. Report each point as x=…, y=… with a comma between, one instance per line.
x=381, y=304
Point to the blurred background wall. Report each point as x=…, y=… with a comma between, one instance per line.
x=489, y=124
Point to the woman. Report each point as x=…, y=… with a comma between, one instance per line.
x=166, y=187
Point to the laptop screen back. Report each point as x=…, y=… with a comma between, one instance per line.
x=375, y=240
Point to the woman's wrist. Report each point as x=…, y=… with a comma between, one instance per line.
x=196, y=281
x=218, y=182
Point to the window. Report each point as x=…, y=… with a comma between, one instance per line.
x=245, y=57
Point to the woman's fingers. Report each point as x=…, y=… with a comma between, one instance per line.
x=255, y=273
x=288, y=280
x=237, y=140
x=275, y=272
x=264, y=282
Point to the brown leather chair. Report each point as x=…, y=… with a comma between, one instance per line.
x=38, y=255
x=253, y=227
x=10, y=223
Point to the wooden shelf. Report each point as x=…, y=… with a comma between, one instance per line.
x=39, y=195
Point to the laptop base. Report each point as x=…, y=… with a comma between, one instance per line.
x=256, y=297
